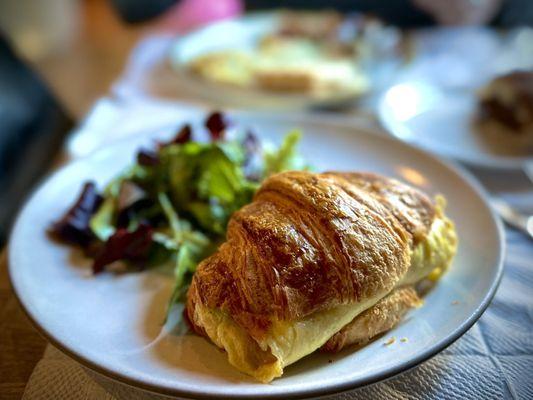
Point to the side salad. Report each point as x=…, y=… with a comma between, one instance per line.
x=170, y=208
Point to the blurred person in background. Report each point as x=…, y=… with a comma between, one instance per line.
x=403, y=13
x=34, y=124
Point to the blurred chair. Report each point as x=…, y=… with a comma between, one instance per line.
x=33, y=126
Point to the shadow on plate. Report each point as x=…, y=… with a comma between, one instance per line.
x=176, y=346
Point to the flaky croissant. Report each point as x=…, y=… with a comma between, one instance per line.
x=317, y=260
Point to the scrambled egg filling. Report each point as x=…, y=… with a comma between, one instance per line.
x=432, y=257
x=288, y=341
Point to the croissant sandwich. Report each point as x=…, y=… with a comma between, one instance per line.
x=317, y=261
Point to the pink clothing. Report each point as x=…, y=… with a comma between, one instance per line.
x=188, y=15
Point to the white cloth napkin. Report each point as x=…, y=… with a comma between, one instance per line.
x=113, y=119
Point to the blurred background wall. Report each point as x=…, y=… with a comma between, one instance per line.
x=56, y=58
x=78, y=47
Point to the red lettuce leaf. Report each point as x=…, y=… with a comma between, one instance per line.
x=217, y=123
x=73, y=227
x=183, y=136
x=147, y=158
x=124, y=245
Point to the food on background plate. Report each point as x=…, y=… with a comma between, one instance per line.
x=309, y=54
x=506, y=109
x=320, y=26
x=169, y=210
x=317, y=261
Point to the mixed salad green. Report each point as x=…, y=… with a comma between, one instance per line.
x=171, y=207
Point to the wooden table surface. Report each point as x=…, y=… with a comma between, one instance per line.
x=21, y=347
x=79, y=74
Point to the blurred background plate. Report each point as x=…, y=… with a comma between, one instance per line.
x=242, y=33
x=112, y=323
x=441, y=120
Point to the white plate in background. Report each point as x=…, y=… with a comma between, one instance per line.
x=441, y=120
x=112, y=323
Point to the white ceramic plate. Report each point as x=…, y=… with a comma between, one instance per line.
x=112, y=324
x=241, y=33
x=440, y=120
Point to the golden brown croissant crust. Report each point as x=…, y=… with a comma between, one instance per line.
x=309, y=242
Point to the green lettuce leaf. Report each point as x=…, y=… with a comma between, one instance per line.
x=285, y=158
x=102, y=222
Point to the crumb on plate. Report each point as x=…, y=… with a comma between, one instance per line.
x=390, y=341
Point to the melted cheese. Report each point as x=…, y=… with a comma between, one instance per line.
x=244, y=353
x=286, y=343
x=432, y=257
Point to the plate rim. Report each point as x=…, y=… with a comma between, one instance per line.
x=431, y=351
x=502, y=163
